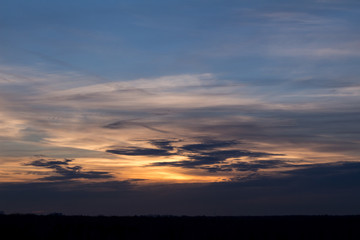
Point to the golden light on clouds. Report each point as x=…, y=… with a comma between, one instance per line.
x=180, y=128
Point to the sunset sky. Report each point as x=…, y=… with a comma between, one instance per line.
x=195, y=107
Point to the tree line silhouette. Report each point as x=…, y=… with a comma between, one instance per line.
x=57, y=226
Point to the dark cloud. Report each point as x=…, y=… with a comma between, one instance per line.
x=163, y=144
x=140, y=152
x=225, y=154
x=208, y=145
x=64, y=171
x=327, y=169
x=252, y=166
x=260, y=164
x=213, y=157
x=49, y=163
x=217, y=168
x=164, y=148
x=184, y=164
x=67, y=174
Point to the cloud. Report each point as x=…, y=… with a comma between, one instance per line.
x=65, y=172
x=214, y=121
x=317, y=51
x=208, y=145
x=295, y=18
x=210, y=152
x=163, y=144
x=210, y=163
x=325, y=170
x=140, y=152
x=220, y=156
x=125, y=124
x=209, y=155
x=252, y=166
x=49, y=163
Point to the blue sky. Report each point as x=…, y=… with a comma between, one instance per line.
x=241, y=40
x=180, y=94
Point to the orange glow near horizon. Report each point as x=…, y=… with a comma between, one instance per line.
x=124, y=168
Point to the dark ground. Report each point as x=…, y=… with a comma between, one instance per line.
x=168, y=227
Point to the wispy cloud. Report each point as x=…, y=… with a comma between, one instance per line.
x=181, y=123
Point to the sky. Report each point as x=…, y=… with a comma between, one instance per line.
x=201, y=107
